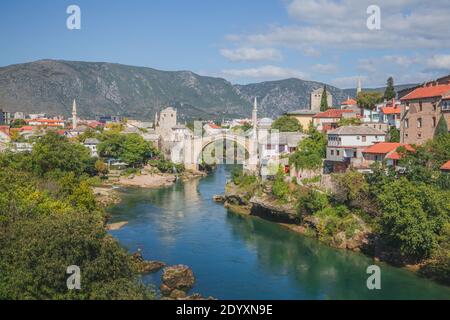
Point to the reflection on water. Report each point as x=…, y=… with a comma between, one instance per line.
x=240, y=257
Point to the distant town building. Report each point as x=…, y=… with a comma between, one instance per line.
x=384, y=151
x=92, y=144
x=345, y=145
x=349, y=103
x=37, y=115
x=212, y=128
x=44, y=122
x=304, y=116
x=421, y=111
x=328, y=120
x=390, y=113
x=108, y=119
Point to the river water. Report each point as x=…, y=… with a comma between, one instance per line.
x=240, y=257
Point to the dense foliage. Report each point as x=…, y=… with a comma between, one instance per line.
x=130, y=148
x=349, y=122
x=324, y=100
x=287, y=124
x=390, y=93
x=311, y=151
x=368, y=100
x=49, y=220
x=394, y=134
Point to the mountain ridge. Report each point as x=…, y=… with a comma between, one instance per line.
x=139, y=92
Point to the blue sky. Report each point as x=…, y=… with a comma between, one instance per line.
x=243, y=41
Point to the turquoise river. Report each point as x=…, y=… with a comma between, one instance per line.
x=241, y=257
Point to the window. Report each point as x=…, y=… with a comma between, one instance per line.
x=420, y=106
x=434, y=122
x=434, y=106
x=338, y=153
x=364, y=138
x=332, y=152
x=354, y=154
x=419, y=123
x=419, y=135
x=406, y=123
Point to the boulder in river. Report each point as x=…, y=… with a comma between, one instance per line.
x=144, y=266
x=178, y=277
x=219, y=198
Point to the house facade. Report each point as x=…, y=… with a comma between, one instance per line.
x=328, y=120
x=383, y=152
x=92, y=144
x=346, y=144
x=421, y=111
x=304, y=116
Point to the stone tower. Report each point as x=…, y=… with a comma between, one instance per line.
x=156, y=121
x=74, y=114
x=316, y=98
x=255, y=116
x=359, y=87
x=167, y=119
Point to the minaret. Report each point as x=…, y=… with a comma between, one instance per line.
x=255, y=117
x=359, y=89
x=156, y=120
x=74, y=114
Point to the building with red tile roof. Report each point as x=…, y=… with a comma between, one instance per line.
x=446, y=166
x=421, y=111
x=349, y=102
x=45, y=122
x=328, y=120
x=384, y=151
x=429, y=91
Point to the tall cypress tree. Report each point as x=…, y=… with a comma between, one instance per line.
x=389, y=93
x=441, y=128
x=324, y=101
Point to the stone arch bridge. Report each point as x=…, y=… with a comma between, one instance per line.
x=193, y=148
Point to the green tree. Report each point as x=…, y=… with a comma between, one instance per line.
x=394, y=134
x=349, y=122
x=389, y=93
x=287, y=124
x=412, y=216
x=324, y=100
x=280, y=188
x=311, y=151
x=135, y=150
x=441, y=128
x=369, y=100
x=54, y=153
x=312, y=202
x=101, y=167
x=18, y=123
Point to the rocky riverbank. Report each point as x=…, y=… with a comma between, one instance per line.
x=148, y=180
x=266, y=207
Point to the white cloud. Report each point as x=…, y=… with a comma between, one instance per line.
x=439, y=62
x=267, y=72
x=403, y=61
x=367, y=66
x=348, y=82
x=251, y=54
x=342, y=24
x=325, y=68
x=311, y=52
